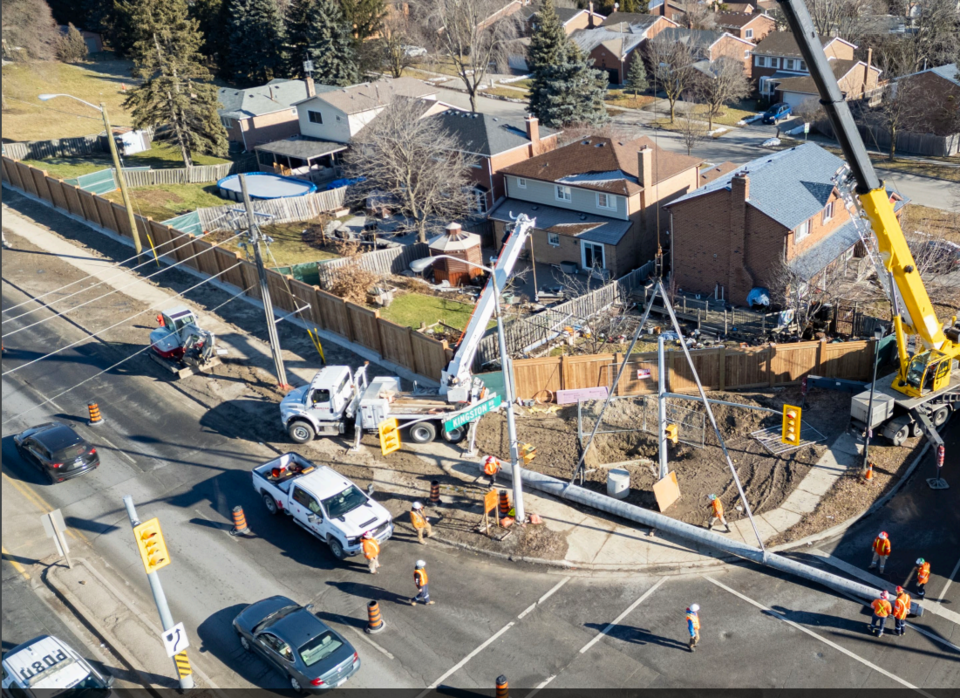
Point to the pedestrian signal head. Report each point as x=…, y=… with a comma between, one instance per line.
x=417, y=505
x=695, y=607
x=421, y=564
x=920, y=560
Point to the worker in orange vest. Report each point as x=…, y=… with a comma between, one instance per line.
x=923, y=576
x=421, y=524
x=491, y=466
x=901, y=607
x=371, y=551
x=420, y=579
x=881, y=551
x=881, y=610
x=717, y=513
x=693, y=625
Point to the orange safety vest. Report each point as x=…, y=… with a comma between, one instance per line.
x=491, y=467
x=717, y=508
x=901, y=607
x=420, y=578
x=923, y=573
x=691, y=616
x=416, y=518
x=371, y=548
x=881, y=608
x=881, y=546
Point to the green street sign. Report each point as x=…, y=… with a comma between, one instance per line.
x=473, y=413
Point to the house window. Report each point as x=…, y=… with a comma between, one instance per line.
x=553, y=239
x=227, y=123
x=827, y=212
x=607, y=201
x=315, y=117
x=746, y=54
x=592, y=256
x=479, y=200
x=521, y=183
x=748, y=33
x=801, y=231
x=761, y=61
x=563, y=193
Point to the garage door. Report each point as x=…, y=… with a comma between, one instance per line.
x=795, y=99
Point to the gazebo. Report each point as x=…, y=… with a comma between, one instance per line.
x=462, y=245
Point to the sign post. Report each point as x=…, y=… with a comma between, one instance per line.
x=54, y=526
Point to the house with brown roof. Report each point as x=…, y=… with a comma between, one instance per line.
x=713, y=44
x=264, y=113
x=752, y=26
x=613, y=45
x=571, y=18
x=777, y=57
x=597, y=201
x=857, y=80
x=708, y=172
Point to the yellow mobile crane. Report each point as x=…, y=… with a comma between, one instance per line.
x=927, y=385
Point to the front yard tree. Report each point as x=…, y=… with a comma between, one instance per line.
x=415, y=162
x=316, y=29
x=365, y=16
x=569, y=91
x=473, y=34
x=256, y=41
x=548, y=42
x=397, y=34
x=724, y=83
x=673, y=70
x=175, y=92
x=637, y=78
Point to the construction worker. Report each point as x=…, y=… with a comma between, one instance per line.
x=901, y=607
x=717, y=513
x=881, y=551
x=881, y=610
x=420, y=579
x=693, y=625
x=491, y=466
x=923, y=576
x=371, y=551
x=421, y=523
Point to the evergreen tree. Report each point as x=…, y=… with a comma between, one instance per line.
x=212, y=19
x=316, y=29
x=569, y=91
x=548, y=40
x=635, y=6
x=255, y=41
x=71, y=47
x=364, y=17
x=636, y=76
x=175, y=92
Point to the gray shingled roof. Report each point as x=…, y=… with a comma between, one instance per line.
x=303, y=148
x=484, y=134
x=608, y=231
x=634, y=19
x=790, y=186
x=783, y=44
x=275, y=96
x=811, y=262
x=589, y=39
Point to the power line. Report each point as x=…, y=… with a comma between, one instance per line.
x=110, y=368
x=116, y=290
x=146, y=310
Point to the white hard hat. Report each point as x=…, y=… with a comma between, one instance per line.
x=920, y=560
x=417, y=505
x=712, y=497
x=421, y=564
x=694, y=607
x=883, y=534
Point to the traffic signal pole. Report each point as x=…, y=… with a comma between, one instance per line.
x=166, y=619
x=662, y=405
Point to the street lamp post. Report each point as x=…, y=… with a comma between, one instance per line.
x=420, y=265
x=121, y=180
x=878, y=335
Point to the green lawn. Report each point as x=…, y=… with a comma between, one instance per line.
x=506, y=92
x=730, y=116
x=159, y=157
x=169, y=200
x=525, y=84
x=625, y=99
x=411, y=309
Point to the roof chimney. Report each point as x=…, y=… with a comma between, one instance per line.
x=533, y=132
x=645, y=166
x=311, y=90
x=738, y=276
x=590, y=15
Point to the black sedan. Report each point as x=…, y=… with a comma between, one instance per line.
x=311, y=654
x=57, y=450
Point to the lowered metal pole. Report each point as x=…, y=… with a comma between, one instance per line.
x=662, y=405
x=508, y=394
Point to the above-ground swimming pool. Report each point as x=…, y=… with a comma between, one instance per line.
x=264, y=185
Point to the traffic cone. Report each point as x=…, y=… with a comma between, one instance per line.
x=868, y=473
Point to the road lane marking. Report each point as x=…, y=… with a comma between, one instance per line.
x=541, y=686
x=623, y=615
x=543, y=598
x=953, y=574
x=779, y=616
x=459, y=665
x=16, y=565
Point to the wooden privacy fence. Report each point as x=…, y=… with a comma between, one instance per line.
x=403, y=346
x=719, y=368
x=383, y=262
x=177, y=175
x=298, y=208
x=56, y=148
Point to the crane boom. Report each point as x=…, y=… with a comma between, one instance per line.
x=921, y=318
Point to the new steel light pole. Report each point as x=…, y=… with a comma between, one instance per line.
x=419, y=265
x=878, y=335
x=121, y=180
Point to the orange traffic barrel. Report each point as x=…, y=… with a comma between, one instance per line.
x=503, y=688
x=504, y=503
x=239, y=523
x=95, y=416
x=435, y=492
x=375, y=621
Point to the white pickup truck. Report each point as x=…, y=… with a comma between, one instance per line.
x=321, y=501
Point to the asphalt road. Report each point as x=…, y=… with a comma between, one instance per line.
x=538, y=628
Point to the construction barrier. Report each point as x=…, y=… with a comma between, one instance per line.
x=239, y=523
x=503, y=688
x=374, y=621
x=435, y=492
x=504, y=504
x=95, y=416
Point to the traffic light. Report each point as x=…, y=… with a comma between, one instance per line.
x=389, y=436
x=153, y=549
x=673, y=433
x=790, y=432
x=528, y=452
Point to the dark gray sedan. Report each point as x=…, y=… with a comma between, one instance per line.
x=311, y=654
x=57, y=451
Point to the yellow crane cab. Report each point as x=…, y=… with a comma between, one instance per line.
x=927, y=372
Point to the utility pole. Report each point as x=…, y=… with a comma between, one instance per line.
x=508, y=394
x=121, y=180
x=662, y=405
x=255, y=237
x=166, y=618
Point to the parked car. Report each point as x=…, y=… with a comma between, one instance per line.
x=57, y=451
x=311, y=654
x=414, y=51
x=47, y=666
x=777, y=112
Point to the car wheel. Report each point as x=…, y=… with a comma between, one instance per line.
x=454, y=436
x=423, y=432
x=336, y=548
x=270, y=503
x=295, y=685
x=244, y=643
x=300, y=431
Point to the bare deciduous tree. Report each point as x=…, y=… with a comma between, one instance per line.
x=698, y=16
x=692, y=131
x=672, y=68
x=473, y=34
x=416, y=162
x=838, y=17
x=397, y=34
x=726, y=82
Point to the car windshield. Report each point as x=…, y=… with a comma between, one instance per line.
x=345, y=502
x=275, y=616
x=916, y=369
x=319, y=648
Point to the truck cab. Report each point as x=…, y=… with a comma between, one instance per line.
x=166, y=340
x=47, y=666
x=927, y=372
x=324, y=406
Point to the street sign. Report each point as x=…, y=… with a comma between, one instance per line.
x=806, y=127
x=473, y=413
x=489, y=501
x=175, y=640
x=643, y=374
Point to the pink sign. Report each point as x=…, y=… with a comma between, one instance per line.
x=565, y=397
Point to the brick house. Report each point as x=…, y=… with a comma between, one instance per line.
x=939, y=113
x=597, y=201
x=262, y=114
x=671, y=9
x=778, y=57
x=571, y=18
x=613, y=45
x=752, y=26
x=495, y=142
x=711, y=45
x=857, y=80
x=772, y=220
